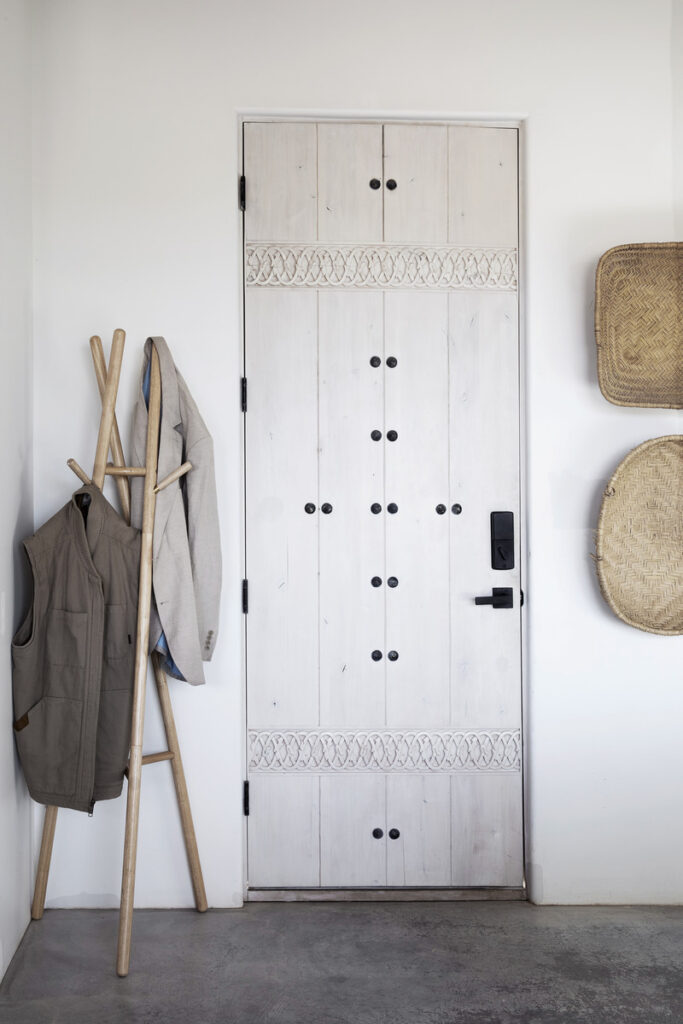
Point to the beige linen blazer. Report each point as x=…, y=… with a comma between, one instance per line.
x=186, y=572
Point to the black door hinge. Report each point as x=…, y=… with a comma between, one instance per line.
x=245, y=596
x=243, y=192
x=243, y=394
x=245, y=799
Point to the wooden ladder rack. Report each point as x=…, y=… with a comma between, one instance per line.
x=109, y=437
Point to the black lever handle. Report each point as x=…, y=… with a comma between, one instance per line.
x=501, y=597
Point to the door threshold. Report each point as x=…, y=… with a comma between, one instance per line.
x=402, y=895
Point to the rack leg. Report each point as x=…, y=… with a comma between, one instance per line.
x=49, y=823
x=180, y=788
x=141, y=659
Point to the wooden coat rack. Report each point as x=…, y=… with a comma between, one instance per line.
x=109, y=437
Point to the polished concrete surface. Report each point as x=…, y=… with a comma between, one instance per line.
x=354, y=963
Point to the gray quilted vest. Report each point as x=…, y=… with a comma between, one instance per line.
x=73, y=656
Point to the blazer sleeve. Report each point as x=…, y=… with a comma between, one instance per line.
x=204, y=541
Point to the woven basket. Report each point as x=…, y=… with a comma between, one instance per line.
x=639, y=324
x=639, y=542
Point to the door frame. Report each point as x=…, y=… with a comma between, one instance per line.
x=417, y=118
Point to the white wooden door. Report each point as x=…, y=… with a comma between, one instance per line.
x=382, y=431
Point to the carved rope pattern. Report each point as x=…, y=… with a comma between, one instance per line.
x=300, y=750
x=380, y=266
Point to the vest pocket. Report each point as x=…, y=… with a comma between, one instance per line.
x=119, y=647
x=48, y=746
x=66, y=638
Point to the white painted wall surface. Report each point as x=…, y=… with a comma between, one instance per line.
x=137, y=226
x=677, y=73
x=16, y=494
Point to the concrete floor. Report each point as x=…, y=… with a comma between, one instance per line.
x=398, y=963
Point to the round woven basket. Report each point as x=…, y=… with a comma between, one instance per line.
x=639, y=324
x=639, y=541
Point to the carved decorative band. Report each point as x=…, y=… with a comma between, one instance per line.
x=379, y=266
x=302, y=750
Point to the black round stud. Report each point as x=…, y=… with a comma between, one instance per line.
x=309, y=507
x=440, y=509
x=392, y=507
x=392, y=435
x=375, y=361
x=377, y=833
x=376, y=435
x=326, y=508
x=376, y=655
x=391, y=184
x=375, y=183
x=392, y=582
x=375, y=508
x=394, y=833
x=392, y=655
x=376, y=581
x=392, y=361
x=456, y=509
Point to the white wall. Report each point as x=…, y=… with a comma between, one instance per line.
x=137, y=226
x=16, y=494
x=677, y=69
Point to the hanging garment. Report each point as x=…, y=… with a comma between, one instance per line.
x=73, y=656
x=186, y=573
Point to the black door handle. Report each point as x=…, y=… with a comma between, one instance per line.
x=501, y=597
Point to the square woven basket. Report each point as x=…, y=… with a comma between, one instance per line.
x=639, y=324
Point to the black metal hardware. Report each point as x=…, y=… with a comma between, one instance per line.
x=501, y=597
x=376, y=435
x=375, y=508
x=376, y=581
x=245, y=596
x=502, y=540
x=243, y=394
x=392, y=507
x=391, y=184
x=245, y=799
x=375, y=183
x=392, y=435
x=392, y=655
x=243, y=192
x=394, y=833
x=375, y=360
x=456, y=509
x=326, y=508
x=376, y=655
x=377, y=833
x=440, y=509
x=309, y=507
x=392, y=361
x=392, y=582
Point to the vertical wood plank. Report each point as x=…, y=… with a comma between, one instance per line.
x=282, y=476
x=416, y=472
x=482, y=186
x=487, y=829
x=419, y=806
x=349, y=156
x=351, y=806
x=484, y=429
x=281, y=190
x=416, y=158
x=283, y=843
x=351, y=538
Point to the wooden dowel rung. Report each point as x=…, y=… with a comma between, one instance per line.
x=164, y=755
x=79, y=471
x=175, y=475
x=112, y=470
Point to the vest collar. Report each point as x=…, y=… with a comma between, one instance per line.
x=86, y=535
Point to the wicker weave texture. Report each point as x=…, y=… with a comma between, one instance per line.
x=639, y=324
x=639, y=543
